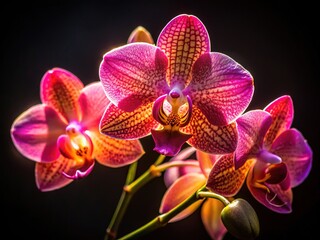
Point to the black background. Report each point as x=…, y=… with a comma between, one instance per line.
x=276, y=42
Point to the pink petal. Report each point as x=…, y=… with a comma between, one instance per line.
x=220, y=87
x=210, y=138
x=60, y=89
x=183, y=40
x=252, y=127
x=93, y=102
x=168, y=142
x=35, y=132
x=113, y=152
x=80, y=172
x=296, y=153
x=281, y=111
x=133, y=75
x=210, y=215
x=49, y=176
x=181, y=190
x=207, y=161
x=275, y=198
x=224, y=179
x=127, y=125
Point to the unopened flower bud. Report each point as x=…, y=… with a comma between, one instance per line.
x=240, y=219
x=140, y=34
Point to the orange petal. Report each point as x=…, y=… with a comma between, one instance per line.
x=224, y=179
x=60, y=89
x=179, y=191
x=183, y=40
x=140, y=34
x=49, y=175
x=210, y=215
x=206, y=161
x=113, y=152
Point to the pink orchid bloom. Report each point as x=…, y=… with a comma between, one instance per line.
x=184, y=181
x=271, y=156
x=61, y=135
x=178, y=91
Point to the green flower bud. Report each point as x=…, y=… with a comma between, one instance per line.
x=240, y=219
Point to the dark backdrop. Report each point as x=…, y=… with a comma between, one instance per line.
x=277, y=43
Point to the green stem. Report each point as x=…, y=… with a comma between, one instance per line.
x=128, y=191
x=162, y=219
x=207, y=194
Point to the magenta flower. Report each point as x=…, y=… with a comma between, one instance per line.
x=184, y=181
x=177, y=90
x=61, y=135
x=272, y=156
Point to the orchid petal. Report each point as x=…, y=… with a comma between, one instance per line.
x=168, y=142
x=113, y=152
x=60, y=89
x=49, y=176
x=183, y=40
x=275, y=198
x=224, y=179
x=140, y=34
x=207, y=161
x=80, y=172
x=281, y=111
x=173, y=173
x=210, y=138
x=133, y=75
x=220, y=87
x=252, y=127
x=93, y=102
x=127, y=125
x=179, y=191
x=210, y=215
x=35, y=132
x=295, y=153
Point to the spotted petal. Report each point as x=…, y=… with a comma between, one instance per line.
x=60, y=89
x=127, y=125
x=113, y=152
x=252, y=127
x=295, y=153
x=281, y=111
x=208, y=137
x=179, y=191
x=183, y=40
x=35, y=133
x=220, y=87
x=49, y=176
x=211, y=218
x=224, y=179
x=133, y=75
x=93, y=102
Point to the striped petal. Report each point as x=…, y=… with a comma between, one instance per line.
x=224, y=179
x=60, y=89
x=127, y=125
x=270, y=195
x=179, y=191
x=207, y=161
x=35, y=133
x=113, y=152
x=296, y=153
x=93, y=102
x=183, y=40
x=252, y=127
x=210, y=138
x=210, y=215
x=281, y=111
x=133, y=75
x=220, y=87
x=49, y=176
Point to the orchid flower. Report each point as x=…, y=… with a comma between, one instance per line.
x=183, y=181
x=61, y=135
x=178, y=91
x=271, y=156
